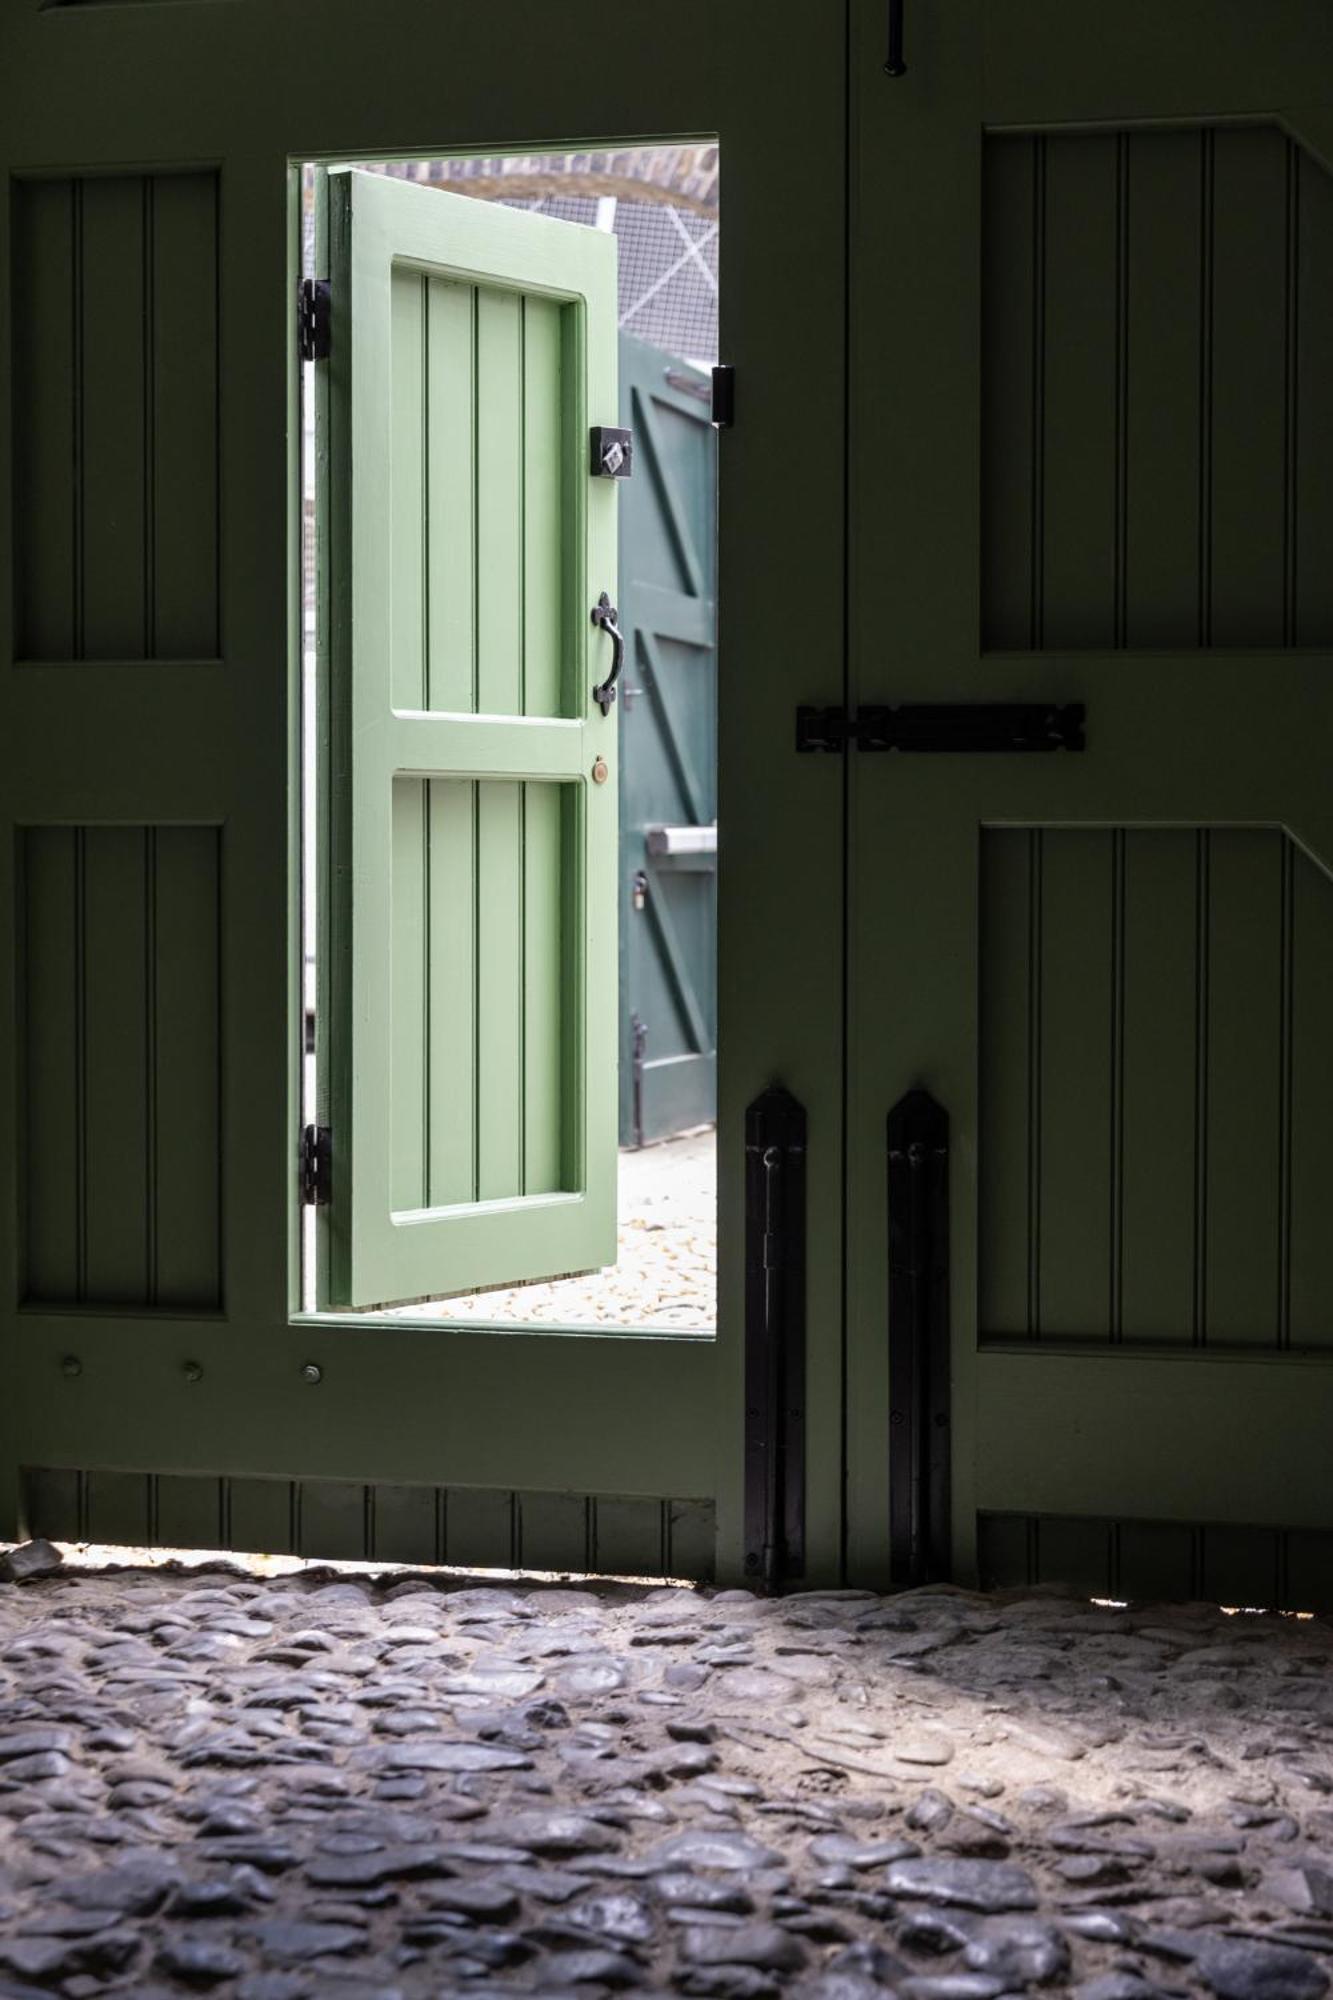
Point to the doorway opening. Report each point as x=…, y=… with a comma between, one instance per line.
x=660, y=204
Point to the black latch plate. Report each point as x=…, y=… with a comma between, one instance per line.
x=316, y=1166
x=314, y=318
x=611, y=453
x=962, y=728
x=724, y=396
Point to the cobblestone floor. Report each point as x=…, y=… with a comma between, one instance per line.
x=326, y=1785
x=665, y=1273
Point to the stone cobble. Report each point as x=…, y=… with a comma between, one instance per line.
x=212, y=1782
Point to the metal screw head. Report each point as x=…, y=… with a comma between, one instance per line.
x=193, y=1371
x=71, y=1365
x=600, y=773
x=312, y=1372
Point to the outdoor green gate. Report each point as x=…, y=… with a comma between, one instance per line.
x=668, y=739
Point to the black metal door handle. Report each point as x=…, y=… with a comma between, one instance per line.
x=605, y=615
x=893, y=62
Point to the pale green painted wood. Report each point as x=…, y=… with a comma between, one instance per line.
x=498, y=486
x=550, y=444
x=513, y=466
x=549, y=968
x=453, y=990
x=409, y=1053
x=451, y=547
x=499, y=1054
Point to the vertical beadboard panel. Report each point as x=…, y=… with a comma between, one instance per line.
x=1078, y=980
x=187, y=1511
x=1157, y=411
x=499, y=1004
x=116, y=366
x=118, y=1508
x=47, y=320
x=1011, y=454
x=451, y=549
x=554, y=1531
x=405, y=1524
x=121, y=1058
x=1249, y=387
x=410, y=1056
x=118, y=1064
x=498, y=425
x=452, y=947
x=544, y=986
x=409, y=499
x=1312, y=441
x=1156, y=1087
x=260, y=1516
x=1309, y=1286
x=185, y=604
x=333, y=1519
x=185, y=1188
x=1008, y=1132
x=1157, y=1110
x=117, y=408
x=1081, y=314
x=1162, y=323
x=1243, y=1072
x=480, y=1529
x=51, y=956
x=629, y=1537
x=545, y=513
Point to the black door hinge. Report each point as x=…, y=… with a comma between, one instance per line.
x=316, y=1165
x=724, y=396
x=314, y=318
x=967, y=728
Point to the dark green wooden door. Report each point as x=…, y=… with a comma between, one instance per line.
x=668, y=750
x=1092, y=448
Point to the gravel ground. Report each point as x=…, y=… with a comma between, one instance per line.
x=666, y=1271
x=285, y=1789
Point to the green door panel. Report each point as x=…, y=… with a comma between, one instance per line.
x=668, y=771
x=1104, y=479
x=187, y=1409
x=472, y=924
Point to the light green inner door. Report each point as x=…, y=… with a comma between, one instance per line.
x=471, y=893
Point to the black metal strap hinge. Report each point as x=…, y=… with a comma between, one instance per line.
x=775, y=1142
x=724, y=396
x=967, y=728
x=314, y=318
x=316, y=1166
